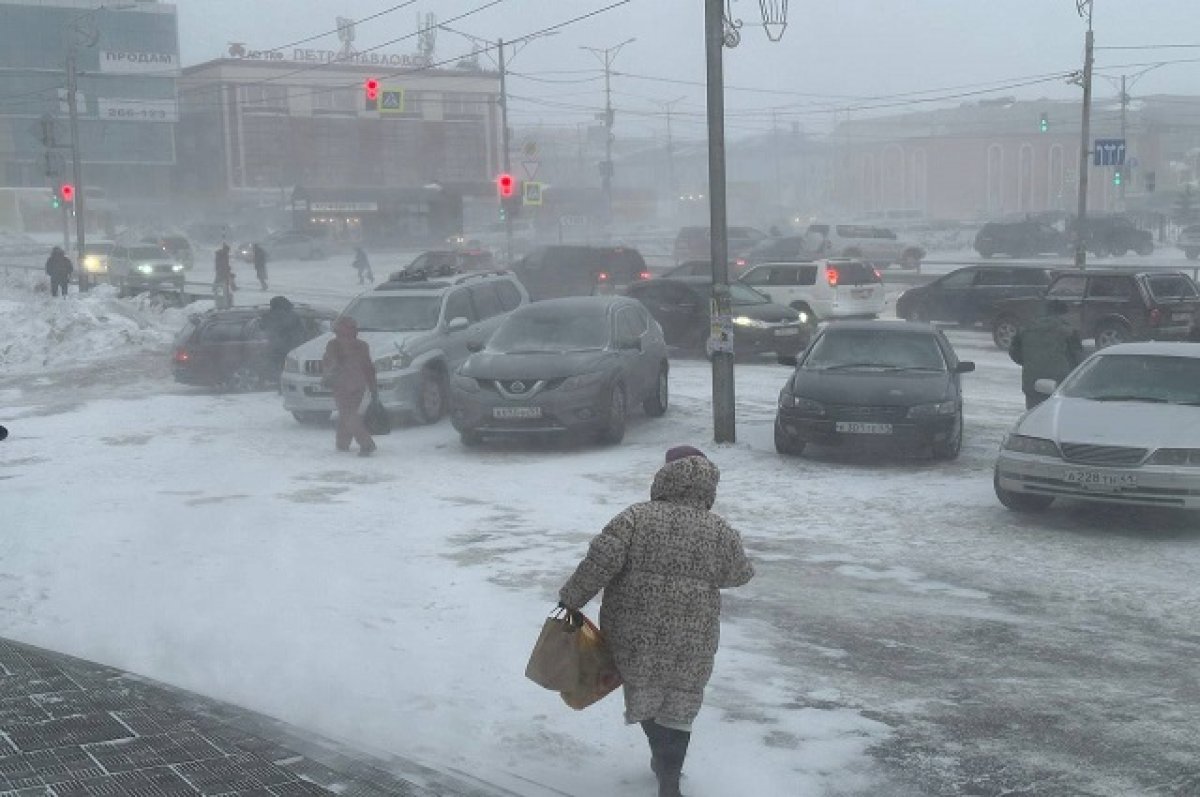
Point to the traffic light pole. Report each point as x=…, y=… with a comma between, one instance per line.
x=76, y=167
x=505, y=145
x=1084, y=152
x=1124, y=169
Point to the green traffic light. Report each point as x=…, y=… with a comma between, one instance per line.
x=54, y=203
x=1116, y=178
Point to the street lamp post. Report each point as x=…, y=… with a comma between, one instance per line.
x=1085, y=9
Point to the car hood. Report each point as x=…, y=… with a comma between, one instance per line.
x=769, y=312
x=382, y=344
x=540, y=365
x=1114, y=423
x=873, y=388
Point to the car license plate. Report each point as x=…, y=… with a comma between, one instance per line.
x=1181, y=316
x=786, y=331
x=516, y=412
x=855, y=427
x=861, y=293
x=1097, y=480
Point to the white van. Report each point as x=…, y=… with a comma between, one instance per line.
x=823, y=288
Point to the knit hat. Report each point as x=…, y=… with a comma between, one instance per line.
x=680, y=452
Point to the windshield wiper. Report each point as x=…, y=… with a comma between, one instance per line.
x=1145, y=399
x=846, y=366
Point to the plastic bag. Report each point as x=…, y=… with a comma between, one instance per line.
x=572, y=658
x=376, y=418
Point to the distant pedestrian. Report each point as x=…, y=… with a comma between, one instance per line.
x=363, y=266
x=260, y=264
x=1049, y=348
x=662, y=565
x=59, y=267
x=223, y=280
x=285, y=331
x=350, y=373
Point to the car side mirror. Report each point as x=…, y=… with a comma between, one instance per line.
x=458, y=324
x=475, y=346
x=1045, y=386
x=964, y=367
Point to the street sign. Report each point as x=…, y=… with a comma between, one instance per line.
x=1109, y=152
x=533, y=193
x=531, y=168
x=391, y=101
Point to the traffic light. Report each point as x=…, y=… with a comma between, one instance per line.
x=505, y=186
x=66, y=192
x=371, y=92
x=1117, y=177
x=1044, y=124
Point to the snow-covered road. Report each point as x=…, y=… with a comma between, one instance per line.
x=905, y=635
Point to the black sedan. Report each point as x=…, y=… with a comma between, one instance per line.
x=681, y=305
x=573, y=365
x=968, y=295
x=875, y=381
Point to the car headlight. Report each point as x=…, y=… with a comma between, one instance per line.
x=581, y=381
x=145, y=269
x=178, y=267
x=92, y=263
x=747, y=321
x=803, y=317
x=1024, y=444
x=1181, y=457
x=933, y=410
x=394, y=362
x=466, y=383
x=291, y=365
x=807, y=406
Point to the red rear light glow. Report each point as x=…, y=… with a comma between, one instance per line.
x=878, y=274
x=832, y=275
x=1155, y=317
x=740, y=262
x=182, y=356
x=644, y=275
x=602, y=277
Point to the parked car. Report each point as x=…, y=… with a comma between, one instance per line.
x=824, y=289
x=288, y=245
x=681, y=306
x=144, y=267
x=1025, y=238
x=691, y=268
x=418, y=333
x=574, y=365
x=1115, y=235
x=1123, y=428
x=445, y=261
x=553, y=272
x=969, y=295
x=228, y=349
x=787, y=249
x=891, y=382
x=1111, y=306
x=1189, y=241
x=693, y=243
x=96, y=258
x=875, y=245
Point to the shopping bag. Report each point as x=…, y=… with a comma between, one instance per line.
x=597, y=671
x=376, y=417
x=554, y=663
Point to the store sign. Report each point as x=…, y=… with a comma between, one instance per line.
x=115, y=110
x=304, y=56
x=343, y=207
x=138, y=63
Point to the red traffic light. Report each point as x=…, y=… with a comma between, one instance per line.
x=67, y=192
x=372, y=89
x=504, y=183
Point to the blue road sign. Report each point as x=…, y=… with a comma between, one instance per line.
x=1109, y=152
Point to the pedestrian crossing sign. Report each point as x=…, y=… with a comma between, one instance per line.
x=533, y=193
x=391, y=101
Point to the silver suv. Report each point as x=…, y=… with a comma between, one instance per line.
x=1189, y=241
x=419, y=332
x=875, y=245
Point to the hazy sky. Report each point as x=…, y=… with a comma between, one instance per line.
x=835, y=52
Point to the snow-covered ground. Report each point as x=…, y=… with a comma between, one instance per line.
x=904, y=635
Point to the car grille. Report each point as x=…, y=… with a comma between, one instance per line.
x=312, y=367
x=1114, y=456
x=163, y=268
x=854, y=412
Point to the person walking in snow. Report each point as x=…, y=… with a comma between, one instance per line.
x=260, y=264
x=348, y=370
x=363, y=266
x=285, y=331
x=1049, y=348
x=59, y=268
x=662, y=565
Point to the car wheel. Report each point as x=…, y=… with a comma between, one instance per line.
x=656, y=405
x=431, y=397
x=1020, y=502
x=949, y=449
x=242, y=379
x=785, y=445
x=1003, y=331
x=312, y=417
x=1192, y=254
x=1110, y=334
x=918, y=312
x=910, y=260
x=614, y=427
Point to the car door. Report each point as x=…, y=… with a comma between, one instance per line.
x=638, y=369
x=674, y=308
x=1070, y=290
x=946, y=297
x=221, y=348
x=454, y=342
x=489, y=310
x=1107, y=297
x=991, y=284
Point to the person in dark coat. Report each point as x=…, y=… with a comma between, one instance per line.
x=285, y=331
x=662, y=565
x=223, y=282
x=1049, y=348
x=260, y=264
x=363, y=266
x=59, y=267
x=351, y=373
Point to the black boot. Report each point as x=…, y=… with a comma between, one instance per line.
x=668, y=749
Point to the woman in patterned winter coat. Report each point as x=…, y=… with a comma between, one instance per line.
x=662, y=565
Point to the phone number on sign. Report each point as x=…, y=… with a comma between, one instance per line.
x=129, y=113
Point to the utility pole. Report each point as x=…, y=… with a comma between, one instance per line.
x=607, y=56
x=1086, y=132
x=672, y=184
x=505, y=145
x=1125, y=176
x=76, y=165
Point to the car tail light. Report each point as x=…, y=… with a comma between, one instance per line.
x=832, y=275
x=182, y=356
x=643, y=275
x=1155, y=317
x=740, y=262
x=878, y=275
x=602, y=276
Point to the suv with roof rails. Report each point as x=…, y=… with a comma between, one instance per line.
x=877, y=246
x=419, y=331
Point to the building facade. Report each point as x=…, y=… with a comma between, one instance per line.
x=127, y=57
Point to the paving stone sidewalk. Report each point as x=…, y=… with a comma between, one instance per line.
x=69, y=727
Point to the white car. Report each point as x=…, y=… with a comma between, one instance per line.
x=876, y=245
x=824, y=289
x=1123, y=428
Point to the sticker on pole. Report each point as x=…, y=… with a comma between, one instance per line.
x=533, y=193
x=720, y=333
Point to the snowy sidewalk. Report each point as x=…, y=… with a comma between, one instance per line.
x=71, y=727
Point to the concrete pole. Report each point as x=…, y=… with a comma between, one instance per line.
x=1125, y=176
x=76, y=167
x=723, y=398
x=1084, y=153
x=608, y=144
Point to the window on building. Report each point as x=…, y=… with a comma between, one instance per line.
x=263, y=97
x=464, y=105
x=335, y=100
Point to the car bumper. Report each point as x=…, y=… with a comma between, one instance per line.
x=1147, y=485
x=905, y=433
x=147, y=282
x=302, y=393
x=782, y=340
x=549, y=412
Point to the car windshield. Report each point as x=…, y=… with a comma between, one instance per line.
x=147, y=252
x=1157, y=379
x=884, y=349
x=98, y=249
x=555, y=329
x=395, y=313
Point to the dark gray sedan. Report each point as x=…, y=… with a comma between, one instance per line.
x=574, y=365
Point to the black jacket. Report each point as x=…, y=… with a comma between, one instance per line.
x=285, y=329
x=59, y=265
